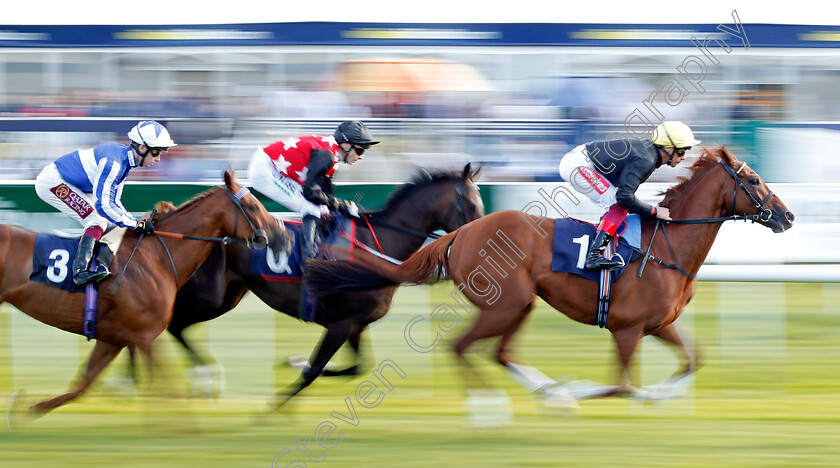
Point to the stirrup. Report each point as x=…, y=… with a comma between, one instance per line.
x=602, y=263
x=86, y=276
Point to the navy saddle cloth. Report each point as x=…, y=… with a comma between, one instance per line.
x=572, y=238
x=52, y=261
x=283, y=267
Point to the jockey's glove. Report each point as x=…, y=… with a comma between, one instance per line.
x=144, y=227
x=349, y=209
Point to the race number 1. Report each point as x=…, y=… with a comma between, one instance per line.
x=584, y=248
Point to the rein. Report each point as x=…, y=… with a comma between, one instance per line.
x=762, y=214
x=252, y=242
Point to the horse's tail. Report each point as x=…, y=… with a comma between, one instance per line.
x=366, y=271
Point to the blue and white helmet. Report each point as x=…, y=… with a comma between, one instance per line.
x=151, y=134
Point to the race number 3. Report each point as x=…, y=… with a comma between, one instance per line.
x=584, y=248
x=57, y=272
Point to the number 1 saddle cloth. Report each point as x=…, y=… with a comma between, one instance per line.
x=572, y=238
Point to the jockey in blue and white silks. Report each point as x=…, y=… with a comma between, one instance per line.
x=87, y=185
x=101, y=171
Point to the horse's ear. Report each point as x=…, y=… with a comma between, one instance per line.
x=469, y=174
x=230, y=178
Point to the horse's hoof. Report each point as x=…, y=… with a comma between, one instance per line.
x=16, y=411
x=123, y=384
x=298, y=361
x=560, y=399
x=207, y=381
x=488, y=408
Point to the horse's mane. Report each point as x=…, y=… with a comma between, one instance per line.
x=423, y=178
x=704, y=163
x=165, y=208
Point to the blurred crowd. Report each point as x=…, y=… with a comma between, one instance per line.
x=516, y=116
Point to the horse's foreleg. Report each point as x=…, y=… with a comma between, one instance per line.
x=354, y=341
x=686, y=352
x=103, y=353
x=335, y=336
x=178, y=334
x=626, y=341
x=679, y=382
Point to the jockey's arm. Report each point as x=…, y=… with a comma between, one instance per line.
x=630, y=179
x=318, y=187
x=107, y=195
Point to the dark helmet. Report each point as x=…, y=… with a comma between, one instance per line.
x=354, y=131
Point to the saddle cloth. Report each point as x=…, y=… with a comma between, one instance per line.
x=572, y=238
x=53, y=255
x=283, y=267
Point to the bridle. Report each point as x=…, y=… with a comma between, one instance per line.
x=762, y=214
x=257, y=240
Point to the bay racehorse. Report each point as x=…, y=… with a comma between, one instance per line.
x=719, y=188
x=140, y=307
x=430, y=201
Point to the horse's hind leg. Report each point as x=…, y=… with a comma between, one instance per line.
x=103, y=353
x=489, y=323
x=530, y=377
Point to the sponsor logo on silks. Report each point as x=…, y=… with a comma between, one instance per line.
x=595, y=180
x=73, y=200
x=283, y=187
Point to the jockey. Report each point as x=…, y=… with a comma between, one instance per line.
x=609, y=173
x=87, y=186
x=297, y=173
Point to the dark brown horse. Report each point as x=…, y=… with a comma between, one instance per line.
x=719, y=186
x=431, y=201
x=140, y=308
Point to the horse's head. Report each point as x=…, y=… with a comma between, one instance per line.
x=264, y=228
x=758, y=200
x=461, y=202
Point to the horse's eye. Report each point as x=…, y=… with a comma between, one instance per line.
x=754, y=181
x=251, y=208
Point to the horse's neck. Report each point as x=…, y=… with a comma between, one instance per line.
x=188, y=255
x=692, y=242
x=408, y=215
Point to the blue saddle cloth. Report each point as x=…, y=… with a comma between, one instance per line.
x=52, y=261
x=572, y=238
x=283, y=267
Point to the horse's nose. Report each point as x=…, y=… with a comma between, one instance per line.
x=789, y=216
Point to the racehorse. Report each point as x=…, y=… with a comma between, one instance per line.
x=641, y=305
x=445, y=200
x=140, y=307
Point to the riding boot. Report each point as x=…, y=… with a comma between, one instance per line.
x=308, y=302
x=84, y=255
x=595, y=259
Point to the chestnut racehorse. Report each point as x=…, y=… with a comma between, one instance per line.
x=140, y=307
x=430, y=201
x=719, y=188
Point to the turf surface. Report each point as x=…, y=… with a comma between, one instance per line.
x=768, y=394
